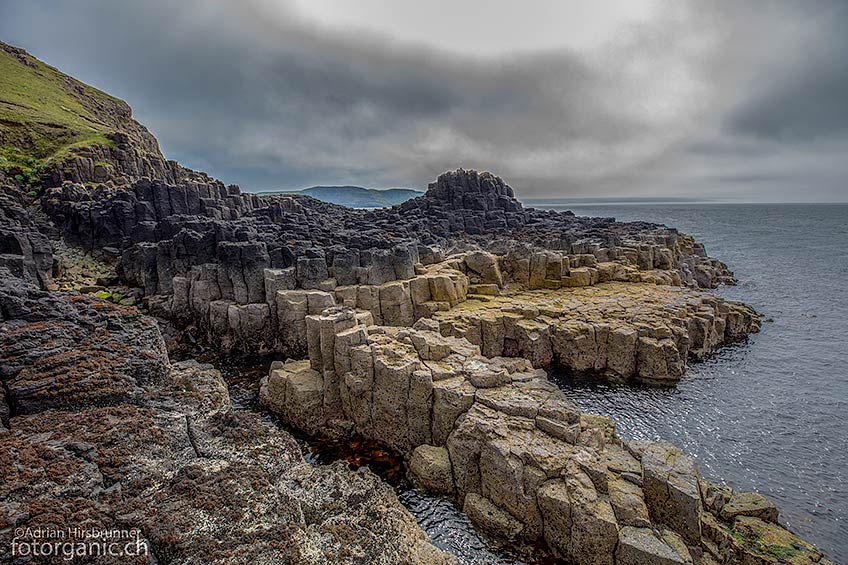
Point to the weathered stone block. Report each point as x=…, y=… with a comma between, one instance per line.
x=490, y=518
x=672, y=494
x=640, y=546
x=430, y=469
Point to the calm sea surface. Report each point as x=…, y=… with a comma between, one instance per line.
x=770, y=414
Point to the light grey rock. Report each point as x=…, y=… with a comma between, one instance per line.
x=276, y=280
x=628, y=504
x=481, y=374
x=749, y=504
x=640, y=546
x=491, y=518
x=485, y=266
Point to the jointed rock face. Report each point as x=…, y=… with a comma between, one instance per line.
x=524, y=463
x=426, y=327
x=239, y=267
x=623, y=331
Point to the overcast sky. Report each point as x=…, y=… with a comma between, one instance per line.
x=723, y=100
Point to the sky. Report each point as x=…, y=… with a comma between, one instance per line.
x=718, y=100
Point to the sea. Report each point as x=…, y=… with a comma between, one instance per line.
x=769, y=414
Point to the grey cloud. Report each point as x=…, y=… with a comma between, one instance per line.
x=273, y=102
x=800, y=90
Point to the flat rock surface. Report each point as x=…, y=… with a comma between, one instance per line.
x=104, y=432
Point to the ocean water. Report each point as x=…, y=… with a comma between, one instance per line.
x=770, y=414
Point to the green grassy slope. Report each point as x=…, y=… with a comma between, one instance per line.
x=44, y=114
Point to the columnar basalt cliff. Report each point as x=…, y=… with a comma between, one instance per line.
x=239, y=267
x=623, y=331
x=426, y=327
x=24, y=249
x=518, y=456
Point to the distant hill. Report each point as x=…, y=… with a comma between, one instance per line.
x=359, y=197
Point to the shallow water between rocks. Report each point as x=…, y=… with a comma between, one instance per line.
x=438, y=516
x=766, y=415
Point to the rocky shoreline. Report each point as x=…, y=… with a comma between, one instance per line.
x=434, y=344
x=211, y=257
x=427, y=327
x=117, y=436
x=518, y=456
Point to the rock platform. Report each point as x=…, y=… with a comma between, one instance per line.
x=624, y=331
x=101, y=431
x=518, y=456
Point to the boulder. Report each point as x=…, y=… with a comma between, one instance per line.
x=482, y=374
x=452, y=397
x=491, y=518
x=292, y=309
x=430, y=469
x=640, y=546
x=749, y=504
x=594, y=530
x=484, y=268
x=659, y=360
x=672, y=493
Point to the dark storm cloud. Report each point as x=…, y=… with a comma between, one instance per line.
x=277, y=102
x=684, y=104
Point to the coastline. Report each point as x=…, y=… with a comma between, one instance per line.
x=303, y=319
x=429, y=328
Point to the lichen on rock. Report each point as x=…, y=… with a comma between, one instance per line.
x=105, y=432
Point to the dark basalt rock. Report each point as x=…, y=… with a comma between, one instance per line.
x=25, y=249
x=198, y=247
x=470, y=190
x=74, y=351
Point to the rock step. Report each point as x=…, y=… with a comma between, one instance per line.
x=519, y=456
x=626, y=332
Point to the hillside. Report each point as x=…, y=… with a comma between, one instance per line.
x=54, y=128
x=357, y=196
